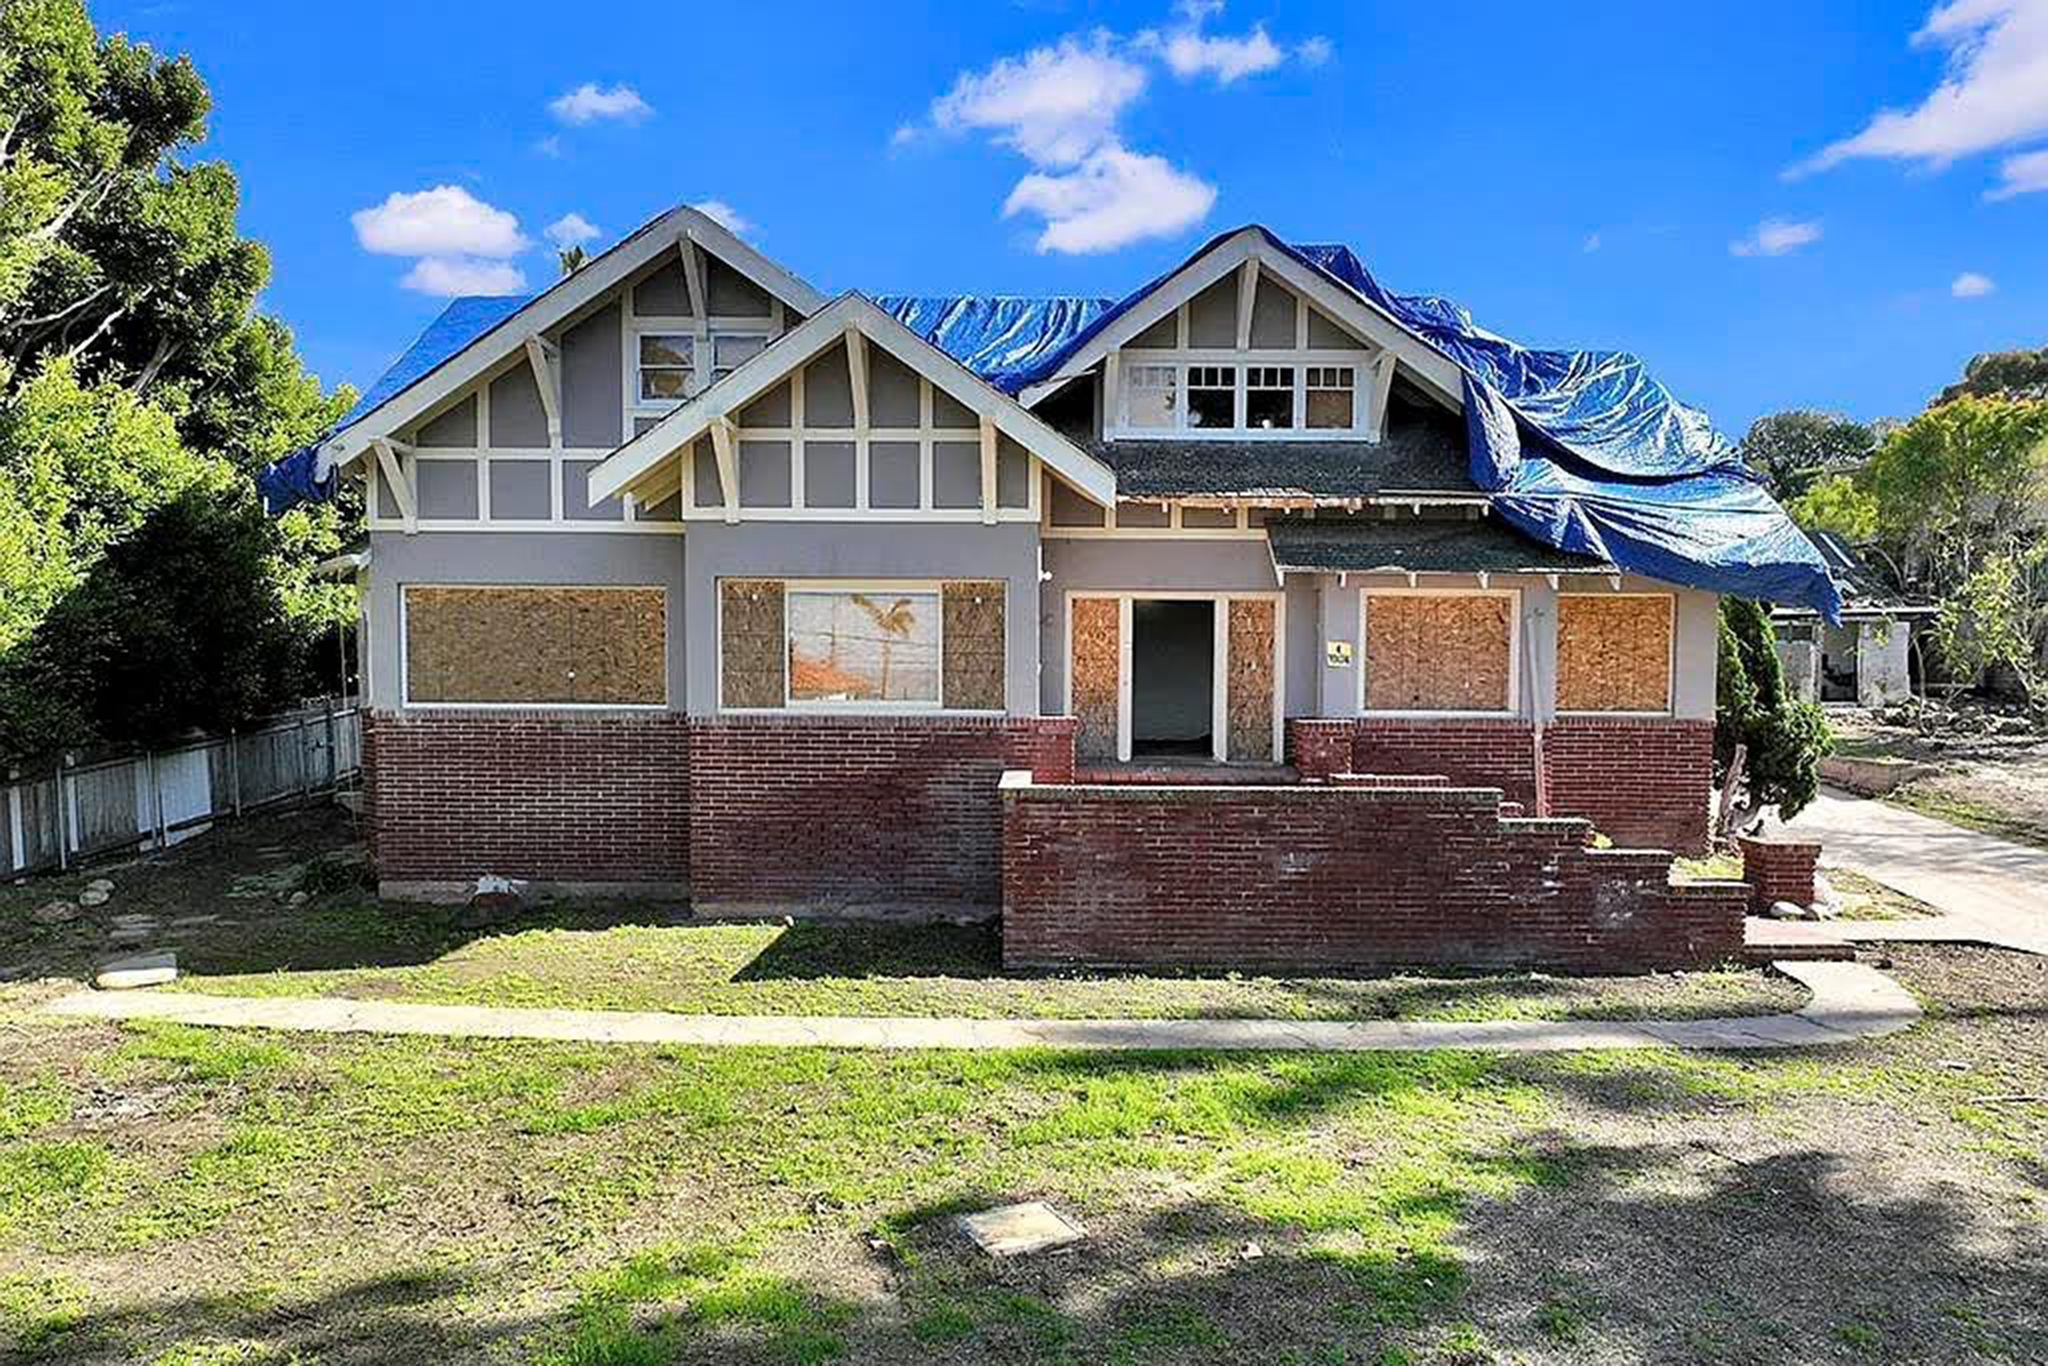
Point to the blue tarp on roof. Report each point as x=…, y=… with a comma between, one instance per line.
x=1583, y=450
x=296, y=478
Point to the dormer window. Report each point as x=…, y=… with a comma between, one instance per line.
x=667, y=360
x=1212, y=396
x=1153, y=395
x=1269, y=398
x=1332, y=396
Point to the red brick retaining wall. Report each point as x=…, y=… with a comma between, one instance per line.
x=825, y=812
x=1336, y=877
x=1642, y=781
x=1779, y=868
x=548, y=795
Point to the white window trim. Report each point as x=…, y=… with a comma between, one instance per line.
x=703, y=334
x=1514, y=700
x=791, y=707
x=1219, y=675
x=1670, y=657
x=633, y=522
x=405, y=699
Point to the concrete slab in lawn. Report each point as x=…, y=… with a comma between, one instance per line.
x=141, y=970
x=1014, y=1230
x=1850, y=1001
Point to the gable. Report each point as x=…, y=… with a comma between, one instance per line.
x=852, y=399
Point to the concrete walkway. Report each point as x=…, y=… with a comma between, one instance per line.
x=1991, y=891
x=1850, y=1001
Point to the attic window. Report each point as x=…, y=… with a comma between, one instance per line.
x=1212, y=396
x=730, y=351
x=1331, y=390
x=665, y=362
x=1152, y=397
x=1269, y=397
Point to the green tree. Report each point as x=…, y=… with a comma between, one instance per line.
x=1961, y=482
x=1997, y=618
x=181, y=625
x=1792, y=448
x=1837, y=503
x=2002, y=374
x=1784, y=738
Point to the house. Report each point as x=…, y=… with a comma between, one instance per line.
x=1866, y=658
x=683, y=574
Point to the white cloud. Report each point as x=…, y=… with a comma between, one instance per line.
x=549, y=146
x=1113, y=198
x=1776, y=237
x=1054, y=104
x=1971, y=285
x=570, y=230
x=1993, y=93
x=444, y=221
x=587, y=103
x=725, y=215
x=1189, y=52
x=2026, y=173
x=1314, y=51
x=447, y=276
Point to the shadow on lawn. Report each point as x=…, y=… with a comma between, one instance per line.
x=1644, y=1253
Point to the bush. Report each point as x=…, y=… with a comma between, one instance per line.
x=1786, y=737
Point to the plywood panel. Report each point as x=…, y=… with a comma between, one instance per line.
x=1614, y=652
x=1097, y=665
x=1250, y=697
x=751, y=643
x=536, y=645
x=1437, y=652
x=973, y=640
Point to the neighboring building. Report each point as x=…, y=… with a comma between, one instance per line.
x=685, y=575
x=1864, y=659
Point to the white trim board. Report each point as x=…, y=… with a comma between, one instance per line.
x=670, y=438
x=554, y=306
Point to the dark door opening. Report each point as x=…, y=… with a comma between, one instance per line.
x=1173, y=677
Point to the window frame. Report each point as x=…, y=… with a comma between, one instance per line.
x=1184, y=361
x=1670, y=653
x=641, y=336
x=790, y=706
x=1309, y=386
x=406, y=701
x=1514, y=705
x=702, y=371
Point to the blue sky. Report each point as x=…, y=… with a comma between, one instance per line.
x=1650, y=177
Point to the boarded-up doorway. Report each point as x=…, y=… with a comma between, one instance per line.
x=1173, y=678
x=1175, y=675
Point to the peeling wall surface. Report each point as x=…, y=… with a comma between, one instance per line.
x=1882, y=672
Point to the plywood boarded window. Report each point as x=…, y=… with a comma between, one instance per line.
x=1250, y=698
x=536, y=645
x=1096, y=682
x=974, y=645
x=1439, y=652
x=1614, y=652
x=750, y=643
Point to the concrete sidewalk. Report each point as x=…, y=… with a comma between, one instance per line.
x=1990, y=891
x=1850, y=1001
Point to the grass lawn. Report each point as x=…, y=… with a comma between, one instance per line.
x=177, y=1196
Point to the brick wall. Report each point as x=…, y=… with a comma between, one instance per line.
x=1642, y=780
x=549, y=795
x=1477, y=751
x=830, y=811
x=1778, y=868
x=1335, y=878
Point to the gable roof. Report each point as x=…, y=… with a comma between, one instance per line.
x=638, y=457
x=498, y=340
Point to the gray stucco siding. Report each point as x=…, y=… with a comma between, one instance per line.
x=576, y=496
x=518, y=421
x=593, y=382
x=865, y=551
x=829, y=474
x=447, y=489
x=521, y=490
x=514, y=557
x=455, y=426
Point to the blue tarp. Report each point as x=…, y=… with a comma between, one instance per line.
x=1583, y=450
x=296, y=478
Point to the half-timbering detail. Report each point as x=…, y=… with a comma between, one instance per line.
x=1096, y=683
x=1250, y=700
x=973, y=642
x=535, y=645
x=1439, y=652
x=751, y=643
x=1614, y=652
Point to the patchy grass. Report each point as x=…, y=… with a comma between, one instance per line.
x=816, y=968
x=1992, y=817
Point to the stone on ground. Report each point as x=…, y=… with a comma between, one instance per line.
x=141, y=970
x=100, y=884
x=94, y=896
x=54, y=913
x=1014, y=1230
